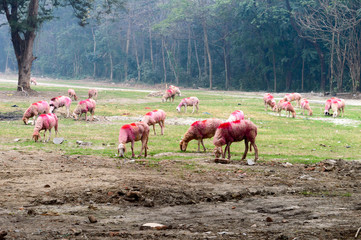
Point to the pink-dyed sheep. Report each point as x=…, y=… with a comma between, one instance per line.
x=337, y=106
x=328, y=105
x=93, y=93
x=269, y=100
x=169, y=94
x=72, y=94
x=200, y=130
x=189, y=101
x=293, y=97
x=154, y=117
x=45, y=122
x=36, y=109
x=236, y=131
x=33, y=81
x=84, y=106
x=131, y=133
x=287, y=106
x=176, y=90
x=305, y=105
x=278, y=106
x=59, y=102
x=235, y=116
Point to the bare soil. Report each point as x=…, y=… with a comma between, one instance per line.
x=54, y=196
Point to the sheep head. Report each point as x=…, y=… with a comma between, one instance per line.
x=183, y=145
x=25, y=120
x=36, y=136
x=178, y=109
x=121, y=150
x=217, y=151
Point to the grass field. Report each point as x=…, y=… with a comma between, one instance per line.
x=302, y=140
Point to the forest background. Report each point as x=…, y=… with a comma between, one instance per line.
x=272, y=45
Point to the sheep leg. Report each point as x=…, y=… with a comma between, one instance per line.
x=229, y=151
x=255, y=150
x=225, y=151
x=161, y=123
x=193, y=109
x=146, y=147
x=44, y=136
x=67, y=112
x=132, y=146
x=185, y=108
x=203, y=145
x=86, y=117
x=199, y=142
x=49, y=135
x=197, y=107
x=154, y=129
x=245, y=149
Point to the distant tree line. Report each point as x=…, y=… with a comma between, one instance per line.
x=272, y=45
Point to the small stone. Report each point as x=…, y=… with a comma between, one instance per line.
x=58, y=140
x=250, y=162
x=148, y=202
x=221, y=160
x=268, y=219
x=287, y=164
x=254, y=226
x=156, y=226
x=47, y=186
x=17, y=140
x=3, y=234
x=92, y=219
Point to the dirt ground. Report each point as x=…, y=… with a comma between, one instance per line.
x=55, y=196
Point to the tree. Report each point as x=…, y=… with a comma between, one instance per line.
x=25, y=19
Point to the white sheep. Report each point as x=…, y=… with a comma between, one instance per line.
x=131, y=133
x=45, y=122
x=189, y=101
x=154, y=117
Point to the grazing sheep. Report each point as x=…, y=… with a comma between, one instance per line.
x=176, y=90
x=36, y=109
x=305, y=105
x=45, y=122
x=200, y=130
x=33, y=81
x=154, y=117
x=189, y=101
x=328, y=105
x=169, y=94
x=278, y=106
x=131, y=133
x=269, y=100
x=93, y=93
x=293, y=97
x=71, y=94
x=287, y=106
x=59, y=102
x=236, y=131
x=236, y=115
x=337, y=106
x=84, y=106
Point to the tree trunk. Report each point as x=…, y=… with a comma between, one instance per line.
x=164, y=66
x=171, y=64
x=136, y=56
x=94, y=51
x=197, y=59
x=127, y=51
x=331, y=61
x=225, y=65
x=302, y=74
x=274, y=71
x=151, y=47
x=208, y=54
x=111, y=66
x=189, y=52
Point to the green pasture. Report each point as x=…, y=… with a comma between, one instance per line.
x=303, y=139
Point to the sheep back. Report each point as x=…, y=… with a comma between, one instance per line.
x=133, y=132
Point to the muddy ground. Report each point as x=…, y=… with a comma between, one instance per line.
x=54, y=196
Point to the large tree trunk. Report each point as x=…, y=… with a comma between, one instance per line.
x=127, y=51
x=136, y=56
x=274, y=71
x=171, y=64
x=197, y=59
x=225, y=65
x=151, y=47
x=189, y=52
x=164, y=66
x=94, y=52
x=206, y=44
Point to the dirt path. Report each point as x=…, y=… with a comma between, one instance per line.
x=50, y=196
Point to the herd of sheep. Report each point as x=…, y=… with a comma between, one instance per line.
x=234, y=129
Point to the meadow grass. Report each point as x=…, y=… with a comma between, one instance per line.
x=300, y=140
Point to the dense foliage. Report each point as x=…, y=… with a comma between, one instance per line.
x=226, y=44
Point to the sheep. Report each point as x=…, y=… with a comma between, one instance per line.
x=287, y=106
x=33, y=81
x=93, y=93
x=305, y=105
x=236, y=115
x=176, y=90
x=36, y=109
x=71, y=94
x=154, y=117
x=45, y=122
x=328, y=105
x=269, y=100
x=131, y=133
x=337, y=106
x=169, y=94
x=84, y=106
x=59, y=102
x=200, y=130
x=278, y=106
x=189, y=101
x=236, y=131
x=293, y=97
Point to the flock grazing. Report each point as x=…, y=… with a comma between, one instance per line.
x=224, y=133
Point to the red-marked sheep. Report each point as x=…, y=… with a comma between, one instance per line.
x=235, y=116
x=93, y=93
x=200, y=130
x=287, y=106
x=59, y=102
x=84, y=106
x=131, y=133
x=189, y=101
x=154, y=117
x=169, y=94
x=305, y=105
x=236, y=131
x=45, y=122
x=328, y=105
x=72, y=94
x=293, y=97
x=36, y=109
x=337, y=106
x=33, y=81
x=269, y=100
x=176, y=90
x=278, y=106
